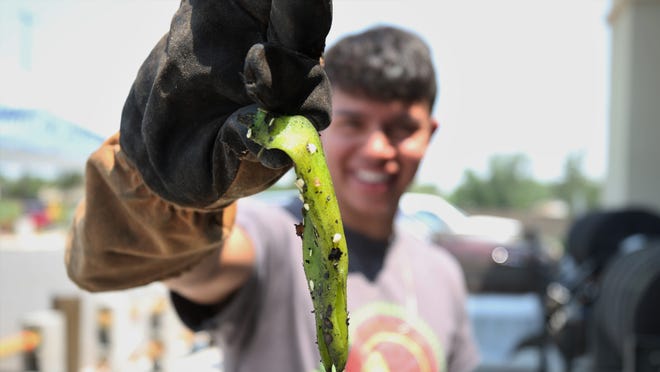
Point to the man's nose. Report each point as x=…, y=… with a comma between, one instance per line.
x=378, y=144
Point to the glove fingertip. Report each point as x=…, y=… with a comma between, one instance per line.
x=257, y=76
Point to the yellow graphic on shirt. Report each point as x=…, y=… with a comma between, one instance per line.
x=384, y=337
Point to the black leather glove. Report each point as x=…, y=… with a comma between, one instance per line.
x=183, y=121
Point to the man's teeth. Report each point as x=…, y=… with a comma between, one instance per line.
x=371, y=177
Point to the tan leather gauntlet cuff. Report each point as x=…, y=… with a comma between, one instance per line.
x=124, y=235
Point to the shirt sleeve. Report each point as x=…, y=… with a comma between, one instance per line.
x=465, y=354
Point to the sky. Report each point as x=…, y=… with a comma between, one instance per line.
x=515, y=76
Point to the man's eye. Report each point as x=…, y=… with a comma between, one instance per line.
x=401, y=132
x=350, y=124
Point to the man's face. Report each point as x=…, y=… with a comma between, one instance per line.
x=373, y=149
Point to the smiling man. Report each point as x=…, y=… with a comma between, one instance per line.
x=374, y=149
x=235, y=269
x=406, y=299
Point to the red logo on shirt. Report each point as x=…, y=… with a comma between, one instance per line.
x=384, y=337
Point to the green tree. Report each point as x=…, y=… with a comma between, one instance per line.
x=576, y=189
x=25, y=187
x=424, y=188
x=68, y=180
x=507, y=185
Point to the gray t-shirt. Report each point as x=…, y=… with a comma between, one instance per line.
x=406, y=302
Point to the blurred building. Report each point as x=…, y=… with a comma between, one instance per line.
x=633, y=170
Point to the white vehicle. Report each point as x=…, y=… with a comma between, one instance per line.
x=443, y=218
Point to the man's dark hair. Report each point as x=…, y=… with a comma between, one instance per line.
x=383, y=63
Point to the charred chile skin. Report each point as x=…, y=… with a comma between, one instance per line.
x=325, y=255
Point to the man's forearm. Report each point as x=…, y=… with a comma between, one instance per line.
x=220, y=274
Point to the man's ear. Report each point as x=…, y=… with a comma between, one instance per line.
x=434, y=126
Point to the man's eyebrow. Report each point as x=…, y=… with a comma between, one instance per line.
x=403, y=118
x=348, y=112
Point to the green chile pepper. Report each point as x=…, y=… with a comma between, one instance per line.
x=325, y=255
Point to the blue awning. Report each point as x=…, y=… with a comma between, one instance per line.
x=37, y=138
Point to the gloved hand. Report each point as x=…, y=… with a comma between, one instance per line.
x=183, y=121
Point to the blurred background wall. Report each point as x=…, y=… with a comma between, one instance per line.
x=634, y=131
